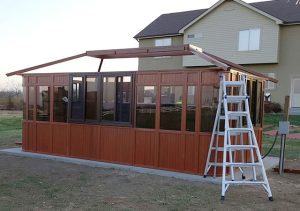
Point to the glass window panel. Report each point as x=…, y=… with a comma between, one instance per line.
x=244, y=40
x=191, y=108
x=171, y=107
x=209, y=107
x=91, y=98
x=163, y=42
x=254, y=39
x=124, y=91
x=77, y=98
x=24, y=102
x=43, y=104
x=31, y=103
x=146, y=107
x=109, y=98
x=60, y=103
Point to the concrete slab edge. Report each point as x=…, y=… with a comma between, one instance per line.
x=98, y=164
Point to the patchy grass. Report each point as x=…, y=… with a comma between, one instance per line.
x=10, y=128
x=292, y=150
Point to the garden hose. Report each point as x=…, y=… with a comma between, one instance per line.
x=275, y=139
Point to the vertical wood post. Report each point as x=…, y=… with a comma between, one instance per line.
x=283, y=136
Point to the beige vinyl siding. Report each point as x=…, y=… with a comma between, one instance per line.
x=220, y=35
x=172, y=62
x=288, y=66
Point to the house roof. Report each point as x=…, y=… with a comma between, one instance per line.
x=152, y=52
x=171, y=24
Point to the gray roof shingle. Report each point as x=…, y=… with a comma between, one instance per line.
x=170, y=24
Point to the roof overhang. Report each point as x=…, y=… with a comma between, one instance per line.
x=278, y=21
x=182, y=50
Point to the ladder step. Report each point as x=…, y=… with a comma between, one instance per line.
x=245, y=182
x=230, y=117
x=215, y=164
x=236, y=147
x=219, y=148
x=235, y=99
x=234, y=83
x=222, y=133
x=242, y=129
x=243, y=164
x=237, y=113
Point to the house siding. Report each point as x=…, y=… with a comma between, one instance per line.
x=174, y=62
x=220, y=35
x=289, y=62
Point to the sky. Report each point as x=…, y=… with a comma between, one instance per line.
x=33, y=32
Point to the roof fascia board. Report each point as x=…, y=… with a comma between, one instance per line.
x=159, y=36
x=278, y=21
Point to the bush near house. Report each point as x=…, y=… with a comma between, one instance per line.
x=272, y=107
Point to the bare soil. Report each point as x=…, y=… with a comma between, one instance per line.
x=36, y=184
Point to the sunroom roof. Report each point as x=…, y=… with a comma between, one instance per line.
x=182, y=50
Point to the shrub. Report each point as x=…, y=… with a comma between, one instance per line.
x=272, y=107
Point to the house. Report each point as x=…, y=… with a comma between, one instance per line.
x=264, y=36
x=159, y=119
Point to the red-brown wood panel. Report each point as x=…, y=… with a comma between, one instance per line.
x=145, y=148
x=31, y=136
x=171, y=151
x=173, y=78
x=61, y=80
x=77, y=140
x=117, y=144
x=91, y=141
x=146, y=79
x=59, y=139
x=191, y=153
x=203, y=151
x=44, y=137
x=192, y=78
x=210, y=77
x=44, y=80
x=31, y=80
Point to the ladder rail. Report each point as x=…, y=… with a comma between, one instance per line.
x=234, y=127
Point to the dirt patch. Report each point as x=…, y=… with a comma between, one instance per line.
x=35, y=184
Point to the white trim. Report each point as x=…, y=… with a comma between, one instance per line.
x=278, y=21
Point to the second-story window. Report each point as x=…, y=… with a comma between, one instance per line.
x=249, y=40
x=163, y=42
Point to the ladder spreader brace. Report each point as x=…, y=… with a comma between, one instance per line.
x=233, y=112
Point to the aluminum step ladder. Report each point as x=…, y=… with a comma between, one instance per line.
x=232, y=124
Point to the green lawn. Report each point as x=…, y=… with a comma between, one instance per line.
x=292, y=145
x=10, y=128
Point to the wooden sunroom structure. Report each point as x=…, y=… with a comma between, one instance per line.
x=158, y=118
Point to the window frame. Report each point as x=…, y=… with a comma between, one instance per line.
x=250, y=37
x=100, y=77
x=132, y=106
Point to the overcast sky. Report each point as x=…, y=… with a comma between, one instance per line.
x=38, y=31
